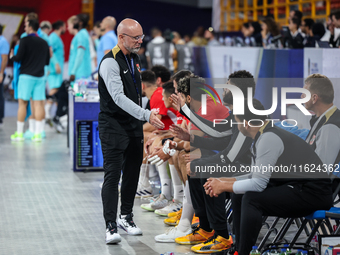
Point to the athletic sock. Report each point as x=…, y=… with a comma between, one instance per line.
x=39, y=125
x=48, y=110
x=187, y=211
x=144, y=175
x=165, y=180
x=43, y=126
x=20, y=126
x=31, y=125
x=176, y=183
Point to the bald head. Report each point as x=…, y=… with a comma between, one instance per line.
x=108, y=23
x=129, y=26
x=130, y=36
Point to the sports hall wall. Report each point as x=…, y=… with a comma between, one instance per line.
x=51, y=10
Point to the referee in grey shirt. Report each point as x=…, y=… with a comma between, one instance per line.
x=120, y=127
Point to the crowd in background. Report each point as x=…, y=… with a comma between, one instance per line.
x=300, y=33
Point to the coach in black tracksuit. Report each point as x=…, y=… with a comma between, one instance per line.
x=120, y=127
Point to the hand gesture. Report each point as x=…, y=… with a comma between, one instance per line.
x=180, y=133
x=154, y=121
x=213, y=187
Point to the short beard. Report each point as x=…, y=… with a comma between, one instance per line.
x=132, y=50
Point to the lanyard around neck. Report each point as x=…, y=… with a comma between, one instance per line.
x=132, y=71
x=131, y=68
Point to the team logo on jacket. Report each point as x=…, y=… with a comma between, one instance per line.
x=138, y=67
x=312, y=140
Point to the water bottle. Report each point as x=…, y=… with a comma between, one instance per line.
x=299, y=252
x=83, y=89
x=255, y=251
x=288, y=251
x=283, y=251
x=274, y=251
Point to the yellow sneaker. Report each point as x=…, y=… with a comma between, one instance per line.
x=195, y=222
x=18, y=137
x=214, y=245
x=173, y=214
x=173, y=221
x=197, y=236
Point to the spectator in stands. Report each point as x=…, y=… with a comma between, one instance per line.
x=108, y=38
x=295, y=39
x=80, y=58
x=270, y=34
x=306, y=28
x=209, y=34
x=295, y=14
x=272, y=193
x=251, y=37
x=4, y=50
x=335, y=42
x=318, y=33
x=159, y=51
x=257, y=32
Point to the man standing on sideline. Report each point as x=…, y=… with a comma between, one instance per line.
x=55, y=78
x=34, y=54
x=159, y=51
x=120, y=127
x=108, y=39
x=80, y=59
x=4, y=50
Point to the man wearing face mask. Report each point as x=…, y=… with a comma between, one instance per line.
x=80, y=58
x=108, y=39
x=121, y=128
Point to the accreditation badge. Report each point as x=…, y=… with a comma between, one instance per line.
x=312, y=140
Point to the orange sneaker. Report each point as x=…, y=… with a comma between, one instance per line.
x=173, y=221
x=173, y=214
x=214, y=245
x=197, y=236
x=195, y=222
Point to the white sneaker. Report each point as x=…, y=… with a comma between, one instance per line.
x=128, y=225
x=112, y=235
x=159, y=203
x=143, y=191
x=173, y=206
x=171, y=234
